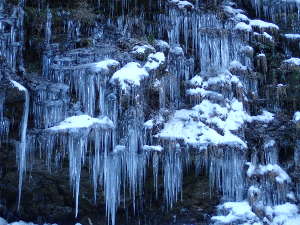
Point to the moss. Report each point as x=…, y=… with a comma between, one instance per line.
x=151, y=39
x=84, y=13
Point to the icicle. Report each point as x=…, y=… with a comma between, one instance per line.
x=223, y=162
x=297, y=154
x=23, y=138
x=48, y=30
x=2, y=3
x=77, y=147
x=112, y=184
x=173, y=172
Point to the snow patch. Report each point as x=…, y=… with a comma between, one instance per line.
x=129, y=75
x=243, y=27
x=104, y=65
x=18, y=85
x=82, y=121
x=265, y=117
x=293, y=61
x=296, y=117
x=263, y=25
x=155, y=61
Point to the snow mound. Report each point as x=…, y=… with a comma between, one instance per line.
x=263, y=25
x=293, y=61
x=129, y=75
x=155, y=61
x=82, y=121
x=18, y=85
x=265, y=117
x=156, y=148
x=236, y=212
x=105, y=65
x=243, y=27
x=193, y=126
x=292, y=36
x=271, y=169
x=296, y=117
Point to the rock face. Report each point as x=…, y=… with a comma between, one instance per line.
x=149, y=113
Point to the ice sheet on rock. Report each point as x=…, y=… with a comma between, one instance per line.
x=82, y=121
x=130, y=75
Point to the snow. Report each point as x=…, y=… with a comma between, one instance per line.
x=275, y=170
x=149, y=124
x=265, y=117
x=142, y=49
x=296, y=117
x=261, y=55
x=267, y=36
x=237, y=211
x=269, y=144
x=293, y=61
x=263, y=25
x=131, y=74
x=237, y=65
x=24, y=223
x=155, y=61
x=162, y=44
x=156, y=148
x=241, y=17
x=82, y=121
x=243, y=27
x=196, y=81
x=292, y=36
x=231, y=10
x=241, y=213
x=105, y=65
x=191, y=125
x=18, y=85
x=223, y=78
x=182, y=4
x=3, y=221
x=176, y=50
x=286, y=214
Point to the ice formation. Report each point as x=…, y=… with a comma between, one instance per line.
x=92, y=111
